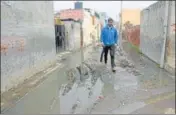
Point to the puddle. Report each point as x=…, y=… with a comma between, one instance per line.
x=86, y=90
x=127, y=84
x=81, y=97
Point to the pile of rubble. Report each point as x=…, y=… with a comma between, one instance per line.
x=123, y=61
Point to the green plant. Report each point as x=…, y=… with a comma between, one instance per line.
x=158, y=65
x=135, y=47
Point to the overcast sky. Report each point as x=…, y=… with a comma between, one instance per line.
x=112, y=8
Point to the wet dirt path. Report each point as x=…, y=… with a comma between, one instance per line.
x=141, y=91
x=97, y=89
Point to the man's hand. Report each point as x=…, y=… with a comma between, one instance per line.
x=102, y=44
x=117, y=46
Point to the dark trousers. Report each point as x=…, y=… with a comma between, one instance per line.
x=112, y=54
x=101, y=57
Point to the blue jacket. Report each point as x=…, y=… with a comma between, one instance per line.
x=109, y=36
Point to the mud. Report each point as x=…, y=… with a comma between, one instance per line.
x=91, y=87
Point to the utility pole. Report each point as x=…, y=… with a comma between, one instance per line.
x=120, y=32
x=81, y=44
x=165, y=34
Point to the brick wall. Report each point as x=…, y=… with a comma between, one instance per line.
x=132, y=34
x=131, y=28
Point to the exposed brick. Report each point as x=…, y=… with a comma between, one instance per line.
x=27, y=40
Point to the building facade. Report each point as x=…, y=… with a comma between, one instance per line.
x=131, y=15
x=88, y=23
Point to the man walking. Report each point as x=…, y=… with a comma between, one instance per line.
x=109, y=38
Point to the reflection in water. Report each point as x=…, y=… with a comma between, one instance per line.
x=81, y=97
x=81, y=91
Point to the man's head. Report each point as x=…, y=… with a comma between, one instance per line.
x=110, y=22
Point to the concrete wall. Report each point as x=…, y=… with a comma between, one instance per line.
x=72, y=35
x=87, y=28
x=27, y=40
x=152, y=32
x=170, y=44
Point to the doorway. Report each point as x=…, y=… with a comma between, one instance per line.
x=60, y=38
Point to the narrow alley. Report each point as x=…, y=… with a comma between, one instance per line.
x=53, y=66
x=130, y=90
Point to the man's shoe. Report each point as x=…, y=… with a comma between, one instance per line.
x=106, y=65
x=113, y=69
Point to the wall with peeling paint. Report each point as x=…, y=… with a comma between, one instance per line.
x=27, y=40
x=170, y=44
x=152, y=32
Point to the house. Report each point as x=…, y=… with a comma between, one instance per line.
x=90, y=23
x=72, y=34
x=131, y=15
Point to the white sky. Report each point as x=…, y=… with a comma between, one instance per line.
x=112, y=8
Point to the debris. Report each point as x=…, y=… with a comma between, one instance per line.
x=100, y=97
x=169, y=111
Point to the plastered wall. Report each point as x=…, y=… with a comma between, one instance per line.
x=152, y=33
x=27, y=40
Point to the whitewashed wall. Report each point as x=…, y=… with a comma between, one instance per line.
x=170, y=46
x=27, y=31
x=152, y=32
x=87, y=28
x=72, y=35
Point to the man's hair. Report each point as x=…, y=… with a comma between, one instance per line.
x=110, y=19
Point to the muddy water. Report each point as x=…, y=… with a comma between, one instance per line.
x=86, y=86
x=80, y=98
x=63, y=92
x=126, y=90
x=93, y=88
x=82, y=90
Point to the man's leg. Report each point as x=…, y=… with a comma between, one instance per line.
x=101, y=57
x=112, y=54
x=106, y=54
